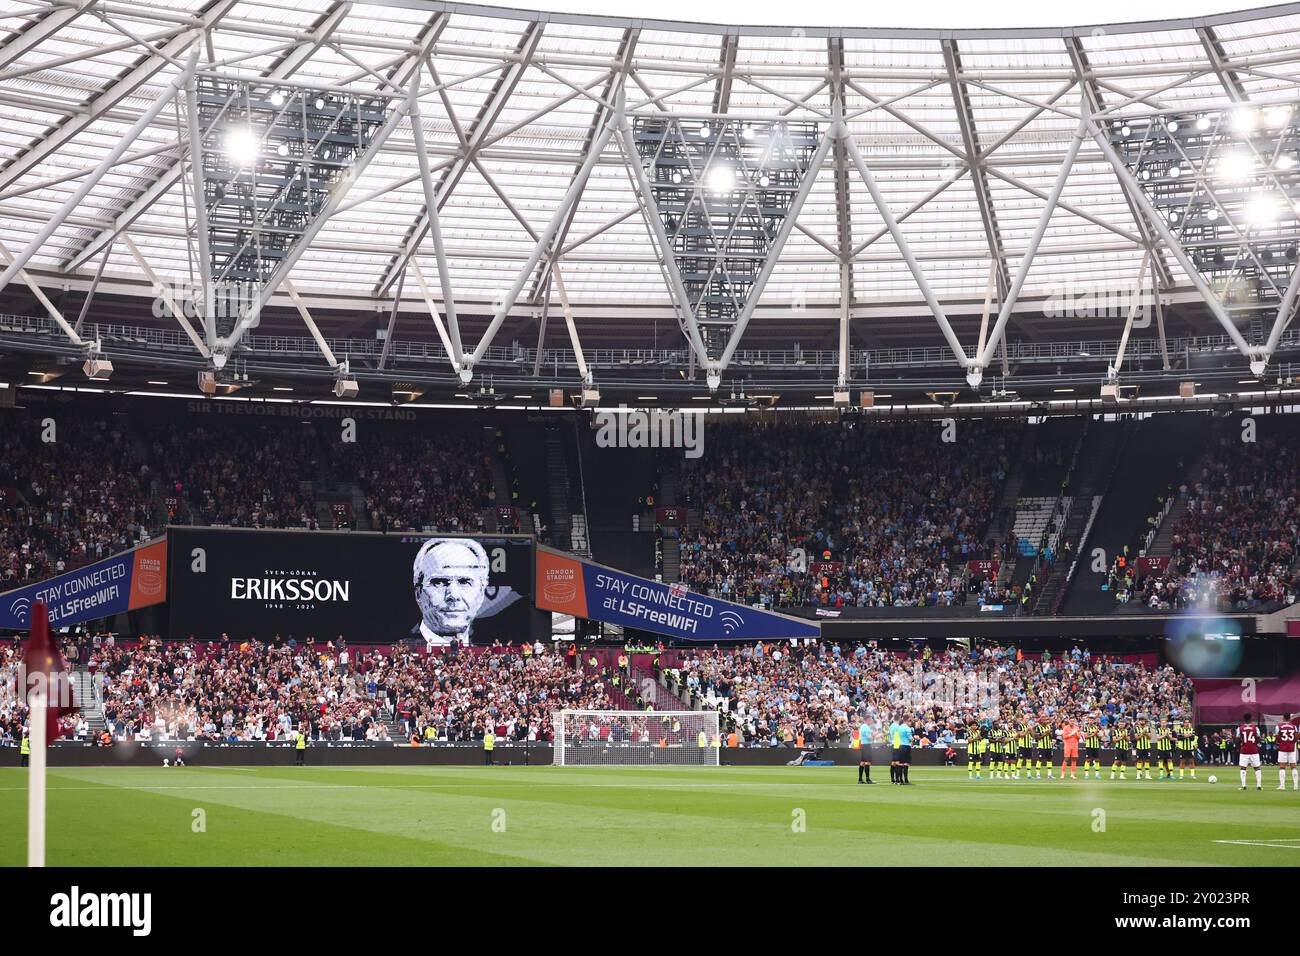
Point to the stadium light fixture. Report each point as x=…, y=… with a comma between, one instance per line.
x=1262, y=209
x=1277, y=116
x=241, y=146
x=1234, y=166
x=721, y=178
x=346, y=387
x=1243, y=120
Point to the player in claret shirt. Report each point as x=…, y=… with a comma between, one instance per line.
x=1286, y=753
x=1248, y=738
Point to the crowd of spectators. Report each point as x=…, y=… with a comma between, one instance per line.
x=243, y=474
x=769, y=694
x=14, y=711
x=70, y=494
x=414, y=483
x=1235, y=546
x=820, y=693
x=100, y=485
x=227, y=692
x=834, y=515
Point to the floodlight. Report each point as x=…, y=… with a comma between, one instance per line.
x=1276, y=116
x=241, y=146
x=721, y=178
x=1235, y=165
x=1243, y=120
x=1263, y=208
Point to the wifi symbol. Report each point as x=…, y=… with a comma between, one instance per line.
x=20, y=608
x=731, y=621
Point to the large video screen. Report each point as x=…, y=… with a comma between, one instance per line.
x=366, y=588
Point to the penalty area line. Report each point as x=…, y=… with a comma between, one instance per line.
x=1281, y=843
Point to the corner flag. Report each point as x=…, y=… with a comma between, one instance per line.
x=49, y=697
x=43, y=657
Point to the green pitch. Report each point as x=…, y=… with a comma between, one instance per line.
x=653, y=816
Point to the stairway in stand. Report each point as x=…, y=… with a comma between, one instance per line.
x=557, y=470
x=86, y=696
x=661, y=697
x=1099, y=459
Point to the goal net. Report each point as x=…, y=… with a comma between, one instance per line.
x=608, y=738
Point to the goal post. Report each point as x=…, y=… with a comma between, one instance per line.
x=637, y=738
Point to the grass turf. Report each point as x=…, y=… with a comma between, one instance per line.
x=332, y=816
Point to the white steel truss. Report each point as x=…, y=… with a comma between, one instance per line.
x=946, y=156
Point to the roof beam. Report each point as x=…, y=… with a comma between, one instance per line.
x=52, y=224
x=49, y=24
x=478, y=132
x=162, y=184
x=1096, y=101
x=726, y=68
x=843, y=209
x=1237, y=93
x=979, y=178
x=626, y=50
x=40, y=149
x=1219, y=62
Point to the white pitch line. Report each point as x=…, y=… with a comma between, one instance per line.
x=1294, y=843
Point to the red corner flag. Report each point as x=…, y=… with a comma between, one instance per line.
x=44, y=657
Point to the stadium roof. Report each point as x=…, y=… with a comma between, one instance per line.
x=964, y=130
